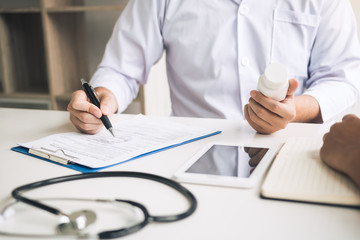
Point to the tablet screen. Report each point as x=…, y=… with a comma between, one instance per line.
x=222, y=160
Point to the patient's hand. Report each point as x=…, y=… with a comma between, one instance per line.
x=341, y=148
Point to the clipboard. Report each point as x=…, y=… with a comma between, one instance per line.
x=62, y=161
x=76, y=167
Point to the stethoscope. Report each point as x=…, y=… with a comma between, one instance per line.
x=75, y=224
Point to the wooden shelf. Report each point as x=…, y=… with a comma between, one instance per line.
x=64, y=9
x=23, y=54
x=63, y=100
x=43, y=48
x=20, y=10
x=32, y=101
x=40, y=96
x=64, y=97
x=85, y=9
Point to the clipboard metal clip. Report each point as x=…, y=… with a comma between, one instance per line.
x=57, y=150
x=52, y=157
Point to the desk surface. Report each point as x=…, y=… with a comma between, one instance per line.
x=223, y=213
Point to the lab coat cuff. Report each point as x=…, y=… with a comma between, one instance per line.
x=117, y=85
x=332, y=105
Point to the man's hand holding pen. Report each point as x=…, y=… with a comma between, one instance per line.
x=85, y=115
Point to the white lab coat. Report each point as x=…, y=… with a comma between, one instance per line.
x=217, y=49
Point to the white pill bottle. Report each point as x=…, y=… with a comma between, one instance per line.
x=274, y=82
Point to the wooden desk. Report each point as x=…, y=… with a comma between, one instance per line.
x=223, y=213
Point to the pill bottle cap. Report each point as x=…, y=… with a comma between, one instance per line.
x=275, y=75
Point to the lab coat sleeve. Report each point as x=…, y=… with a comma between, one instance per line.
x=134, y=46
x=334, y=68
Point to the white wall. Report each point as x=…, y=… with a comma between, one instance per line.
x=156, y=91
x=356, y=7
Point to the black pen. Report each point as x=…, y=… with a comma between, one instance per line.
x=90, y=92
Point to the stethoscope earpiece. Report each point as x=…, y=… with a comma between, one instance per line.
x=8, y=212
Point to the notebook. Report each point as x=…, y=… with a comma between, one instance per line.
x=298, y=174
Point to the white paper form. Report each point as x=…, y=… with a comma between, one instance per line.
x=133, y=137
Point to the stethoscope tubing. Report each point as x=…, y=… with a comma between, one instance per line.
x=17, y=194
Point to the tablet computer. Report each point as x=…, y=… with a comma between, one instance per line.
x=227, y=165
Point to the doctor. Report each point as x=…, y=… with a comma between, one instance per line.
x=215, y=53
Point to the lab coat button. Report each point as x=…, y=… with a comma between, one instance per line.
x=245, y=61
x=244, y=9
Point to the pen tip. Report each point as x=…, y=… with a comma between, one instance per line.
x=111, y=131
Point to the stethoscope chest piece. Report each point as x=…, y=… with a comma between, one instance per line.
x=77, y=222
